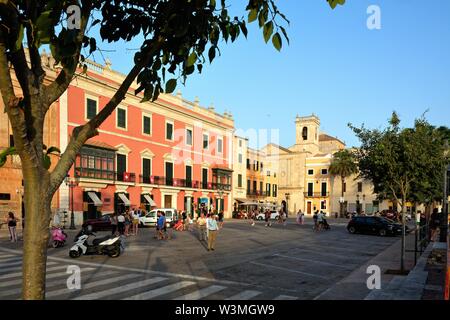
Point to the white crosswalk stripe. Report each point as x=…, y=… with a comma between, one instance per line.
x=19, y=267
x=7, y=256
x=12, y=259
x=121, y=289
x=244, y=295
x=161, y=291
x=90, y=285
x=199, y=294
x=10, y=263
x=48, y=284
x=49, y=276
x=282, y=297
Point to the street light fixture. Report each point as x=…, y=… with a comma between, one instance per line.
x=71, y=184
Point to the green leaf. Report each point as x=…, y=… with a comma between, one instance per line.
x=171, y=85
x=53, y=150
x=268, y=30
x=252, y=15
x=92, y=45
x=276, y=40
x=191, y=60
x=244, y=29
x=211, y=54
x=285, y=34
x=5, y=153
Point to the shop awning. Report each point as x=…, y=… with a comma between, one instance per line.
x=124, y=199
x=240, y=200
x=95, y=199
x=149, y=200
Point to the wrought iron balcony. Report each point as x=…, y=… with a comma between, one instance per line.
x=182, y=183
x=317, y=194
x=126, y=177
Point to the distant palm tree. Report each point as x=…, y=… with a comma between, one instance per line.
x=343, y=165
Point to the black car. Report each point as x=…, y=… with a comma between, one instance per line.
x=375, y=225
x=100, y=224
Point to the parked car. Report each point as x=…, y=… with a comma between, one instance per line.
x=100, y=224
x=149, y=220
x=274, y=215
x=375, y=225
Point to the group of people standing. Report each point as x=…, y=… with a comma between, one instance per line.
x=207, y=224
x=124, y=221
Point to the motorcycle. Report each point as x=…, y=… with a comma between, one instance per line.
x=58, y=237
x=109, y=245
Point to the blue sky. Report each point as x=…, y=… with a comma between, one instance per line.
x=334, y=67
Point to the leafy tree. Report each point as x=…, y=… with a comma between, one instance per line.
x=403, y=163
x=343, y=165
x=177, y=35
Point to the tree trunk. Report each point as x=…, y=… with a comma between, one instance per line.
x=36, y=234
x=342, y=195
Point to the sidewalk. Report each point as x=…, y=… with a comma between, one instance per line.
x=354, y=286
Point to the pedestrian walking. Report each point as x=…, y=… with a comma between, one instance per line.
x=127, y=223
x=161, y=226
x=302, y=218
x=284, y=218
x=299, y=213
x=267, y=218
x=212, y=227
x=185, y=221
x=201, y=223
x=252, y=218
x=158, y=215
x=434, y=224
x=320, y=219
x=114, y=223
x=121, y=223
x=190, y=223
x=221, y=219
x=11, y=220
x=315, y=217
x=135, y=222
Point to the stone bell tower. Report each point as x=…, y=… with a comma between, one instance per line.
x=307, y=134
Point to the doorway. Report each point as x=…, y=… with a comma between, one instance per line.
x=167, y=201
x=309, y=207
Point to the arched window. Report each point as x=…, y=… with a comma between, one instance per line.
x=305, y=133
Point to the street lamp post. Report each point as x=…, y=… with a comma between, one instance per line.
x=71, y=184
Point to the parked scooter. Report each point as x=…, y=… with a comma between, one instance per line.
x=109, y=245
x=58, y=237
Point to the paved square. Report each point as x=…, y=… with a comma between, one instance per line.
x=292, y=262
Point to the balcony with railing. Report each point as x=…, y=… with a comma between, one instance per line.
x=182, y=183
x=317, y=194
x=256, y=193
x=126, y=177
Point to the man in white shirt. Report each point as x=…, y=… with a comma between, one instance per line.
x=211, y=225
x=320, y=220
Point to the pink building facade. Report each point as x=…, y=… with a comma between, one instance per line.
x=170, y=153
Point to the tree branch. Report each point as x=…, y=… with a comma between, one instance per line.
x=11, y=102
x=54, y=90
